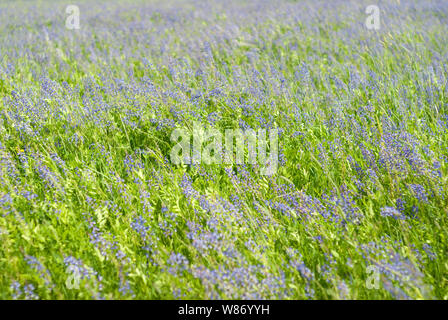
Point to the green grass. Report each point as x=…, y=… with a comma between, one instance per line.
x=363, y=116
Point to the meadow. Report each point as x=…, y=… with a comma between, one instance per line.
x=93, y=207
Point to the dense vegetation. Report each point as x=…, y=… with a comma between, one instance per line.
x=92, y=207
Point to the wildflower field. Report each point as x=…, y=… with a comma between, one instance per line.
x=92, y=205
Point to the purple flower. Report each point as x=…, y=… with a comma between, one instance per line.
x=392, y=212
x=419, y=192
x=177, y=263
